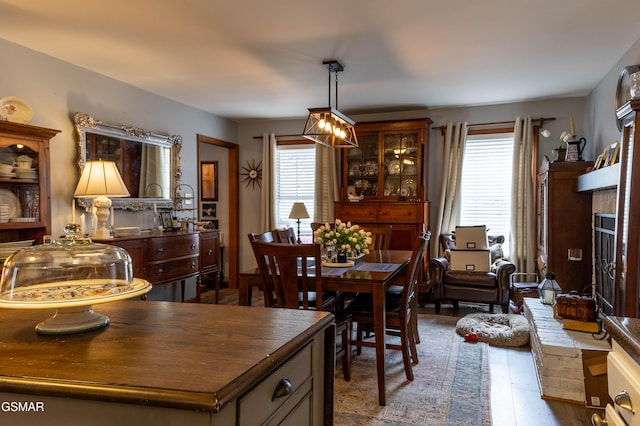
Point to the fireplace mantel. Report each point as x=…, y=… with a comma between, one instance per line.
x=601, y=179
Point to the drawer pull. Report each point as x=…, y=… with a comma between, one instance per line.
x=284, y=388
x=193, y=265
x=159, y=271
x=623, y=400
x=159, y=250
x=210, y=252
x=193, y=246
x=596, y=420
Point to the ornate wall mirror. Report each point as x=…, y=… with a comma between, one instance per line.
x=149, y=163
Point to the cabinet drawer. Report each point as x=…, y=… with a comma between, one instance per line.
x=623, y=375
x=209, y=250
x=255, y=407
x=398, y=214
x=356, y=213
x=172, y=269
x=170, y=247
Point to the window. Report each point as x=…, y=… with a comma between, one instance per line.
x=485, y=186
x=295, y=182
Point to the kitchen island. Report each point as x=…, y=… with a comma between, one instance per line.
x=170, y=363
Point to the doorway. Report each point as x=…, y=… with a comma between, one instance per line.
x=230, y=224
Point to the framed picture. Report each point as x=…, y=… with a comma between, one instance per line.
x=165, y=220
x=207, y=211
x=209, y=181
x=598, y=163
x=614, y=149
x=605, y=157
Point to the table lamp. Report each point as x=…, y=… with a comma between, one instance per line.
x=101, y=180
x=298, y=211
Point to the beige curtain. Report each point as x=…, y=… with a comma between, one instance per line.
x=268, y=209
x=523, y=237
x=151, y=172
x=449, y=206
x=326, y=187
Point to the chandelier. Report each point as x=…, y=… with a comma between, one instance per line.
x=327, y=125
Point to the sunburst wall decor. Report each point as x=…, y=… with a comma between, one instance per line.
x=252, y=173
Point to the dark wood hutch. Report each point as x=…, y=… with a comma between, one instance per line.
x=389, y=170
x=29, y=199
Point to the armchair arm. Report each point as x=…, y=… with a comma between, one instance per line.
x=437, y=268
x=504, y=269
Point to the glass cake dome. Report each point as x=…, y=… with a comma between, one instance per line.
x=70, y=274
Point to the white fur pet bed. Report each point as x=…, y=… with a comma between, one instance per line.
x=496, y=329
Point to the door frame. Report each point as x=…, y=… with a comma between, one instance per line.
x=233, y=240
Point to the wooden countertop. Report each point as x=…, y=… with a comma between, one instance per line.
x=625, y=331
x=179, y=355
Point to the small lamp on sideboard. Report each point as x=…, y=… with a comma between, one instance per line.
x=298, y=211
x=101, y=180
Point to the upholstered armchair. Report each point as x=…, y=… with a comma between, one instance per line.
x=471, y=286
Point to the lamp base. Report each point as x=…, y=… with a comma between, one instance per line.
x=73, y=320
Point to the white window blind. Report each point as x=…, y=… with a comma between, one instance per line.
x=486, y=183
x=295, y=182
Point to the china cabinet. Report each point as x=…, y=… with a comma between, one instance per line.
x=389, y=170
x=24, y=189
x=563, y=224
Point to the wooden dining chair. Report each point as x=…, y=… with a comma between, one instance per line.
x=401, y=314
x=296, y=273
x=380, y=236
x=285, y=235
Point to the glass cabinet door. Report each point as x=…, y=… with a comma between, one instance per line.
x=400, y=156
x=362, y=166
x=389, y=164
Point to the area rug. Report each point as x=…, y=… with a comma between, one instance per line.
x=451, y=385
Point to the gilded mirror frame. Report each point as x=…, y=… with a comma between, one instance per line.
x=84, y=123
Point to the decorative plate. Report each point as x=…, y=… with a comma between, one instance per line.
x=410, y=186
x=354, y=168
x=623, y=91
x=394, y=167
x=15, y=110
x=371, y=168
x=360, y=183
x=9, y=198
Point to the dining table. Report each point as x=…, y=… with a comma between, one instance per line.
x=374, y=273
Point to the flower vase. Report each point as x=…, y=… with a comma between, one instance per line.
x=342, y=256
x=560, y=154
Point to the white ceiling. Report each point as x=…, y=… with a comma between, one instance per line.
x=263, y=58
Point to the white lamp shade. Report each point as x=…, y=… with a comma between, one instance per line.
x=298, y=211
x=101, y=178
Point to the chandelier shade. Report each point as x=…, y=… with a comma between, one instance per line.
x=328, y=126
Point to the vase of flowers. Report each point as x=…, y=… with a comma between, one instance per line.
x=343, y=237
x=561, y=148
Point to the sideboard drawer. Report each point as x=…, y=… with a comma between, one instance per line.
x=173, y=269
x=258, y=405
x=355, y=213
x=170, y=247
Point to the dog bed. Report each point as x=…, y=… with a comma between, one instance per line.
x=496, y=329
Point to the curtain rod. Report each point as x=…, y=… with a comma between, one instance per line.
x=282, y=136
x=540, y=120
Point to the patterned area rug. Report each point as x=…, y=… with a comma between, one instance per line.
x=451, y=386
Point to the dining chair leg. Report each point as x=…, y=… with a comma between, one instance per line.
x=346, y=356
x=414, y=321
x=407, y=341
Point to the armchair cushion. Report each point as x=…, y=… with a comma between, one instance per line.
x=474, y=279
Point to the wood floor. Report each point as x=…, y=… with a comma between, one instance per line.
x=515, y=395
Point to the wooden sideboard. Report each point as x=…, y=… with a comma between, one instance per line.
x=171, y=363
x=173, y=256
